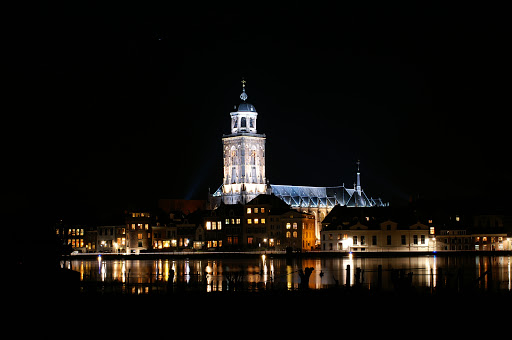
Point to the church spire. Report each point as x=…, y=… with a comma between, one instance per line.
x=243, y=96
x=358, y=187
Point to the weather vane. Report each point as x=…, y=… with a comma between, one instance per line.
x=243, y=96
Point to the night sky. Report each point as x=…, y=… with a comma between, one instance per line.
x=120, y=106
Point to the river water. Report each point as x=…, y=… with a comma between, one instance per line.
x=143, y=276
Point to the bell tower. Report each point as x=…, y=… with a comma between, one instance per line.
x=244, y=156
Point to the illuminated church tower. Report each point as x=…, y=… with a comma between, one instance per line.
x=244, y=158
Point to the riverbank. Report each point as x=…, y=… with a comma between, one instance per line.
x=278, y=254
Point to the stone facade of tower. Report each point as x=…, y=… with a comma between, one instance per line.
x=244, y=168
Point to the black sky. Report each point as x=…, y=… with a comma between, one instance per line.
x=120, y=106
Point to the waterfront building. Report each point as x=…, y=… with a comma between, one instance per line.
x=138, y=232
x=245, y=177
x=111, y=239
x=473, y=240
x=164, y=236
x=80, y=238
x=223, y=227
x=369, y=229
x=357, y=236
x=272, y=224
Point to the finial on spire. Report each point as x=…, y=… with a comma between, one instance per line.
x=243, y=96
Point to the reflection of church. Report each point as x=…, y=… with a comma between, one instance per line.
x=244, y=174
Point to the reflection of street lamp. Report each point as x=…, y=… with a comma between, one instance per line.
x=115, y=247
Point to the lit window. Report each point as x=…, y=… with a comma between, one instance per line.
x=255, y=210
x=288, y=234
x=214, y=225
x=457, y=218
x=208, y=225
x=256, y=221
x=139, y=236
x=219, y=225
x=146, y=226
x=294, y=225
x=248, y=210
x=288, y=225
x=249, y=221
x=432, y=231
x=227, y=220
x=262, y=221
x=262, y=210
x=295, y=234
x=237, y=221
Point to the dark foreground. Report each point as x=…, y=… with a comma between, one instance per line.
x=353, y=312
x=339, y=312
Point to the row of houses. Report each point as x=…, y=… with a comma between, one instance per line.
x=268, y=223
x=389, y=230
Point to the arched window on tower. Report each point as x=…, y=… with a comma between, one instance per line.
x=253, y=157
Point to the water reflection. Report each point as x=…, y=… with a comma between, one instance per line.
x=280, y=273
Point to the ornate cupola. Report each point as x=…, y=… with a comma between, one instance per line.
x=244, y=119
